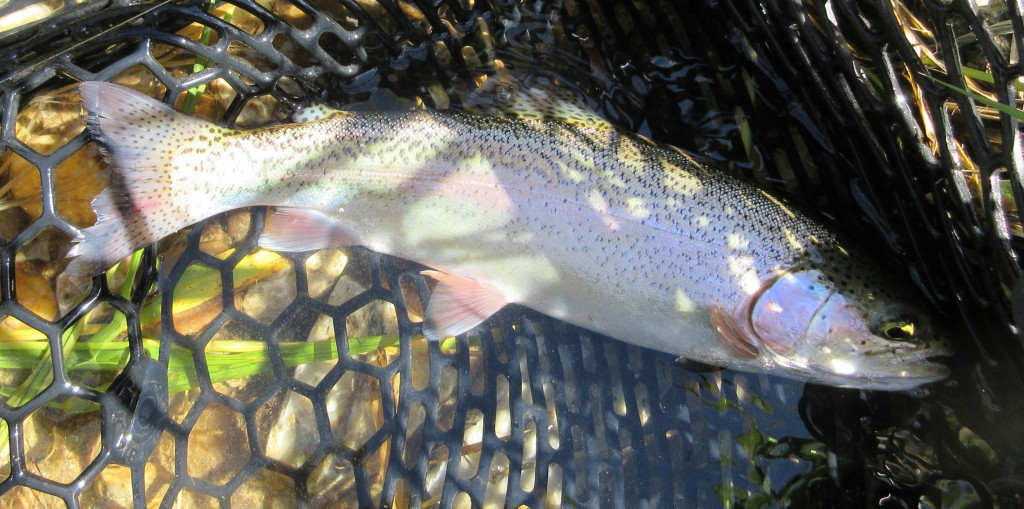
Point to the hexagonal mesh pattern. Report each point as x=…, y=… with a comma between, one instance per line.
x=237, y=376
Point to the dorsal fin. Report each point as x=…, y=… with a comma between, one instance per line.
x=380, y=99
x=313, y=112
x=535, y=96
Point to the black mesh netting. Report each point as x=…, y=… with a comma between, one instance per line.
x=243, y=377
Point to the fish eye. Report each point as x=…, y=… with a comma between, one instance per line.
x=898, y=330
x=897, y=322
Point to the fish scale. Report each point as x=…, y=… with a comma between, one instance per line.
x=571, y=217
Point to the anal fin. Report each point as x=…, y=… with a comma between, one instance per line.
x=457, y=305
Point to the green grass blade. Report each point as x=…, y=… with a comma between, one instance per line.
x=1004, y=108
x=192, y=96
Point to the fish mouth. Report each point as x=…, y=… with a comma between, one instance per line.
x=921, y=369
x=926, y=370
x=890, y=370
x=915, y=357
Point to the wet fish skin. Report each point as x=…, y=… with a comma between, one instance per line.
x=572, y=218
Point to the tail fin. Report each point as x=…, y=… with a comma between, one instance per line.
x=145, y=201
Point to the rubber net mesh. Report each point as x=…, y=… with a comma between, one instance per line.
x=238, y=376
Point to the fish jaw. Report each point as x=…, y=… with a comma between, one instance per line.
x=894, y=368
x=921, y=370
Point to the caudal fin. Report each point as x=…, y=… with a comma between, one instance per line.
x=146, y=200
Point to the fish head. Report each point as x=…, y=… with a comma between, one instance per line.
x=862, y=332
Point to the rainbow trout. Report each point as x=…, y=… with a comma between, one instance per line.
x=571, y=217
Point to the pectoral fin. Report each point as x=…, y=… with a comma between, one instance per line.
x=457, y=305
x=292, y=230
x=696, y=366
x=731, y=335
